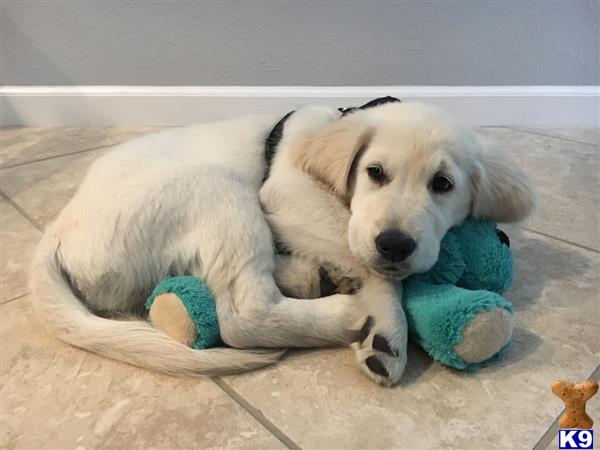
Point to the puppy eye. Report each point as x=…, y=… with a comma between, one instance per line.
x=441, y=183
x=376, y=172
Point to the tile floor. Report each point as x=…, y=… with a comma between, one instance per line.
x=53, y=396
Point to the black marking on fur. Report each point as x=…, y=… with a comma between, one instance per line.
x=380, y=343
x=380, y=101
x=345, y=111
x=371, y=104
x=366, y=329
x=326, y=285
x=280, y=248
x=351, y=183
x=376, y=366
x=503, y=237
x=272, y=142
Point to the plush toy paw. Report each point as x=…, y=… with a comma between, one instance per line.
x=485, y=335
x=169, y=315
x=458, y=327
x=184, y=308
x=381, y=354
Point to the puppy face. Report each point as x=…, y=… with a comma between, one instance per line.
x=408, y=173
x=408, y=187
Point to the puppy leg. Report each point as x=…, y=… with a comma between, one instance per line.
x=297, y=277
x=253, y=312
x=381, y=345
x=262, y=317
x=381, y=342
x=300, y=277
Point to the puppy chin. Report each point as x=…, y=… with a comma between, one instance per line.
x=392, y=271
x=423, y=266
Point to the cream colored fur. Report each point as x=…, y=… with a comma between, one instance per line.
x=328, y=155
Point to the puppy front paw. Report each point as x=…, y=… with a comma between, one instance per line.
x=333, y=283
x=381, y=352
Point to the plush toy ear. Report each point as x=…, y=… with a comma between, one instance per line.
x=328, y=156
x=501, y=191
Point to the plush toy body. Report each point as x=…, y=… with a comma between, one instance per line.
x=454, y=311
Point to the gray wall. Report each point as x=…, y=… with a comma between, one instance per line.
x=300, y=43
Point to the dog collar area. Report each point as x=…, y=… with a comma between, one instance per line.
x=274, y=138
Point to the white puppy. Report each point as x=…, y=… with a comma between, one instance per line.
x=375, y=191
x=366, y=196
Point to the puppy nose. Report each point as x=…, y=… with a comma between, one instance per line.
x=394, y=245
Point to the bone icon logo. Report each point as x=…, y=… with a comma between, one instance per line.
x=575, y=396
x=575, y=423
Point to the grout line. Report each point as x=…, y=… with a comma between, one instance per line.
x=256, y=414
x=62, y=155
x=539, y=133
x=552, y=431
x=14, y=298
x=21, y=211
x=541, y=233
x=548, y=435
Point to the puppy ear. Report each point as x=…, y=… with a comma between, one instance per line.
x=501, y=191
x=328, y=156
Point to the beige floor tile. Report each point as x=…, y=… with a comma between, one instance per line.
x=18, y=145
x=586, y=135
x=567, y=175
x=43, y=188
x=18, y=238
x=321, y=401
x=57, y=397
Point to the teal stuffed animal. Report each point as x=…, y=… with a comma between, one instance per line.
x=454, y=311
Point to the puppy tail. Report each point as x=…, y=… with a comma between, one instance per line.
x=131, y=341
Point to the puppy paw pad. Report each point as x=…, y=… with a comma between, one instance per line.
x=380, y=343
x=376, y=366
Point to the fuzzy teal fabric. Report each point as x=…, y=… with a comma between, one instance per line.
x=450, y=265
x=488, y=262
x=199, y=302
x=438, y=313
x=473, y=268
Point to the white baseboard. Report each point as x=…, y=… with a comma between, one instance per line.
x=162, y=105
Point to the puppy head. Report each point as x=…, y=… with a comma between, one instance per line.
x=408, y=173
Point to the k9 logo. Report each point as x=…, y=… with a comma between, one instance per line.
x=569, y=439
